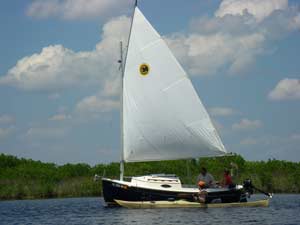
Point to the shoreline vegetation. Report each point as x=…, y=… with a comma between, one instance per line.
x=28, y=179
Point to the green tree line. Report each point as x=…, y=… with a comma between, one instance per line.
x=28, y=179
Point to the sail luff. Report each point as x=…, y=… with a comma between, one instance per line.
x=122, y=161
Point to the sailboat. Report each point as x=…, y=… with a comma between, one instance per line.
x=162, y=118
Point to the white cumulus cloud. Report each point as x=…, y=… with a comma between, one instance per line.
x=54, y=96
x=205, y=54
x=56, y=67
x=60, y=117
x=286, y=89
x=6, y=119
x=246, y=124
x=222, y=111
x=294, y=24
x=96, y=104
x=217, y=45
x=231, y=44
x=295, y=137
x=260, y=9
x=6, y=132
x=77, y=9
x=36, y=133
x=249, y=141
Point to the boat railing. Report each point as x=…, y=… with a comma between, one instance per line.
x=164, y=175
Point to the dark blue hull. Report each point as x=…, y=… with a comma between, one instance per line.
x=113, y=190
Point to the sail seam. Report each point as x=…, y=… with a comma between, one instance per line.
x=150, y=44
x=174, y=84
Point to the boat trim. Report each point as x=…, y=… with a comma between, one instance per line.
x=188, y=204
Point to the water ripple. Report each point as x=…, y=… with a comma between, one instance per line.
x=283, y=210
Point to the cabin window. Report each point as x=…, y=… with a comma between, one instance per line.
x=166, y=186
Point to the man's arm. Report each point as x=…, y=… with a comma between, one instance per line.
x=211, y=179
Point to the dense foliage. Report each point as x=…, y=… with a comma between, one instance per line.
x=25, y=178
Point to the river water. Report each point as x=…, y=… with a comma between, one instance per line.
x=283, y=210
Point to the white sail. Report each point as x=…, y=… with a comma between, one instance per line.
x=163, y=117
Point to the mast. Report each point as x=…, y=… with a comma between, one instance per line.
x=121, y=113
x=122, y=64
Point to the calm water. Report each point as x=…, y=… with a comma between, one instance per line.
x=284, y=209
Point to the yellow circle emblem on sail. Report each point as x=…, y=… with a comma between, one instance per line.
x=144, y=69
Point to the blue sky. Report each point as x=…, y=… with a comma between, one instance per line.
x=59, y=80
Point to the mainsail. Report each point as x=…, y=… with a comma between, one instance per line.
x=163, y=117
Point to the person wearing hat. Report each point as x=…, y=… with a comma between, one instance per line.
x=205, y=179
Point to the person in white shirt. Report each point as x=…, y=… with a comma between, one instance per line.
x=205, y=179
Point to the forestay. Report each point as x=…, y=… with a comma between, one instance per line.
x=163, y=117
